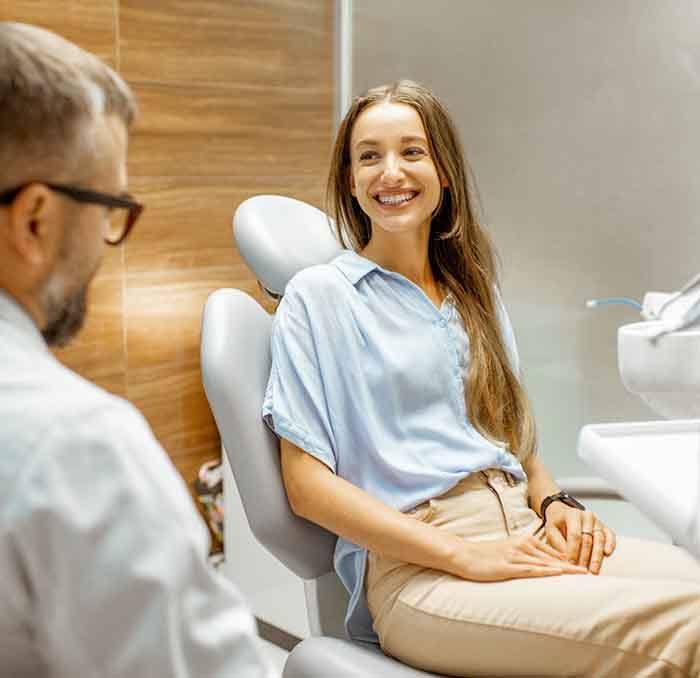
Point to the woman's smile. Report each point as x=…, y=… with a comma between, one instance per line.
x=392, y=201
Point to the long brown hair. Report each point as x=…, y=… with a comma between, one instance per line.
x=462, y=258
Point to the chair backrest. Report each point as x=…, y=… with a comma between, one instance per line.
x=277, y=237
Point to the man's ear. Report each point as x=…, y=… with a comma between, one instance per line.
x=33, y=221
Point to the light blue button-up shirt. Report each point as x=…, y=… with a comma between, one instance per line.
x=368, y=377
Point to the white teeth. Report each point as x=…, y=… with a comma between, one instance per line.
x=395, y=199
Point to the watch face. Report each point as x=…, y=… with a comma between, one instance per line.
x=570, y=501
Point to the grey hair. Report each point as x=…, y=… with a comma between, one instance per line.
x=51, y=94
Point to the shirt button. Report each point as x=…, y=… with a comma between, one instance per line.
x=443, y=322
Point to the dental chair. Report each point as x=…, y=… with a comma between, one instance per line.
x=277, y=237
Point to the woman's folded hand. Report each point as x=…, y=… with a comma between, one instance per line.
x=512, y=558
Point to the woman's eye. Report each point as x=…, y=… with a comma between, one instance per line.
x=414, y=151
x=368, y=155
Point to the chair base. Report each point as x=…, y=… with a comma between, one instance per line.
x=322, y=657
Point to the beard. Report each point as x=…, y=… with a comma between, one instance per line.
x=66, y=314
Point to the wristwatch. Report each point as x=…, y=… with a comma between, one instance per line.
x=564, y=498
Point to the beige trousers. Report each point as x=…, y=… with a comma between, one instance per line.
x=639, y=618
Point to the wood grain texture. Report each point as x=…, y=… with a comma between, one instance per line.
x=163, y=315
x=98, y=352
x=236, y=99
x=171, y=397
x=90, y=24
x=187, y=224
x=265, y=43
x=199, y=130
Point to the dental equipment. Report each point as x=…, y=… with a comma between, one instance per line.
x=676, y=311
x=659, y=360
x=594, y=303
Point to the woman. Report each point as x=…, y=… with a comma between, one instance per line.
x=404, y=429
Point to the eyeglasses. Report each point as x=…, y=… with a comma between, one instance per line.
x=123, y=210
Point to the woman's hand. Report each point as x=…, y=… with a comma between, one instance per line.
x=580, y=535
x=512, y=558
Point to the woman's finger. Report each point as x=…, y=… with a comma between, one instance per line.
x=556, y=540
x=535, y=556
x=525, y=571
x=587, y=538
x=527, y=559
x=550, y=557
x=573, y=535
x=597, y=548
x=610, y=541
x=537, y=546
x=564, y=566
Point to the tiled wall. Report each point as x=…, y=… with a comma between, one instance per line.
x=235, y=99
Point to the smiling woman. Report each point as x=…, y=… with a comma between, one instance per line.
x=417, y=447
x=399, y=153
x=394, y=179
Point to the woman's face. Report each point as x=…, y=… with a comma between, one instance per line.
x=392, y=174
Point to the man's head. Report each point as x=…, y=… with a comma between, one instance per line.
x=64, y=117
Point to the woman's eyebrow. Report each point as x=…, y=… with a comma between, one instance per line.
x=413, y=138
x=366, y=142
x=404, y=140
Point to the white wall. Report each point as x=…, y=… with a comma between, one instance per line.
x=581, y=121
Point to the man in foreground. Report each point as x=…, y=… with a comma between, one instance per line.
x=103, y=566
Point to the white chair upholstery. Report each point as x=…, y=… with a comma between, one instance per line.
x=278, y=236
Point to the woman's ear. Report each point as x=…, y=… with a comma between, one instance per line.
x=442, y=175
x=351, y=182
x=443, y=179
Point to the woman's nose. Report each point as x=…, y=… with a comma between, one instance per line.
x=392, y=168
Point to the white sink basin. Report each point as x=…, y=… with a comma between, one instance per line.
x=665, y=372
x=656, y=466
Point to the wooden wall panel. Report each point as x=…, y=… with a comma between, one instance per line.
x=188, y=130
x=91, y=24
x=171, y=397
x=181, y=252
x=187, y=225
x=266, y=43
x=98, y=352
x=235, y=100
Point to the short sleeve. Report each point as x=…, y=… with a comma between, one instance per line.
x=508, y=334
x=296, y=400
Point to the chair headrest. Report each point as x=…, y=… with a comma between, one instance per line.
x=279, y=236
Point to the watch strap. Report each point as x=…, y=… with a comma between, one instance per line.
x=563, y=497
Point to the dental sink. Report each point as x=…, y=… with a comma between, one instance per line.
x=656, y=464
x=663, y=371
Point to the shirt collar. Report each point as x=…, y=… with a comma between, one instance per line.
x=353, y=266
x=12, y=313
